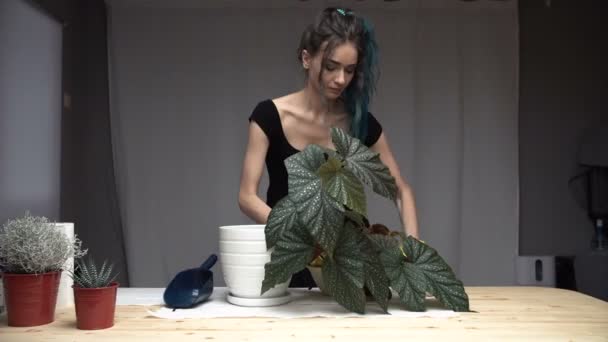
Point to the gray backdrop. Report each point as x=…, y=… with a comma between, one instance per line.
x=184, y=80
x=30, y=111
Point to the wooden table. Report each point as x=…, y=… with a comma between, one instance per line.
x=502, y=314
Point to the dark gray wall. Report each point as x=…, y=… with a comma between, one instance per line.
x=88, y=192
x=563, y=91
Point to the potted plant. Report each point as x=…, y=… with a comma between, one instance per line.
x=32, y=254
x=94, y=294
x=323, y=222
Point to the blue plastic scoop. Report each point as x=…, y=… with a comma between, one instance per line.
x=191, y=287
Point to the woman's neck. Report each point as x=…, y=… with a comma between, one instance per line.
x=319, y=106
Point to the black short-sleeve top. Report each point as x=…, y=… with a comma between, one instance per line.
x=266, y=115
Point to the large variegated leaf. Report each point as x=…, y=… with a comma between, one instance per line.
x=364, y=164
x=407, y=280
x=414, y=268
x=302, y=168
x=292, y=252
x=440, y=280
x=317, y=211
x=383, y=243
x=282, y=217
x=376, y=280
x=342, y=185
x=343, y=271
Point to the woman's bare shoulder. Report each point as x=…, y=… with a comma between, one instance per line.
x=287, y=106
x=287, y=101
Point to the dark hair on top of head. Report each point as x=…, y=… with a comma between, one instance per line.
x=336, y=26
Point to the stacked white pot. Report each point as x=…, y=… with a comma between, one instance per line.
x=243, y=255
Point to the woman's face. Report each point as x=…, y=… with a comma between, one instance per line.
x=337, y=73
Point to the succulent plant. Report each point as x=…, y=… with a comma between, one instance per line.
x=33, y=245
x=86, y=274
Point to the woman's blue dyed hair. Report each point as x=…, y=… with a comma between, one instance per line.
x=336, y=26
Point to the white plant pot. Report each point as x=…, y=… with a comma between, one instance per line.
x=243, y=255
x=65, y=293
x=237, y=259
x=243, y=247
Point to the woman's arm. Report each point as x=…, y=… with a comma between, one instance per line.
x=405, y=195
x=253, y=167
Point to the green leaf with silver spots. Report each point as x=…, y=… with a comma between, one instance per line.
x=376, y=280
x=364, y=164
x=320, y=213
x=440, y=280
x=282, y=217
x=343, y=272
x=343, y=185
x=292, y=252
x=382, y=243
x=415, y=268
x=405, y=278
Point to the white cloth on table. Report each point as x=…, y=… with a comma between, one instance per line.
x=304, y=303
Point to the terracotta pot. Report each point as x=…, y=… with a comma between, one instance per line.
x=95, y=307
x=2, y=306
x=30, y=298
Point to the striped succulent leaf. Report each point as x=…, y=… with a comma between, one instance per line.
x=86, y=274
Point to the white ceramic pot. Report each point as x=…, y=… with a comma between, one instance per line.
x=243, y=247
x=238, y=259
x=65, y=294
x=243, y=255
x=253, y=232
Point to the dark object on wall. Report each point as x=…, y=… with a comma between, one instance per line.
x=592, y=266
x=597, y=204
x=592, y=182
x=191, y=287
x=564, y=273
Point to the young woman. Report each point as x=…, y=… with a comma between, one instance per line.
x=338, y=54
